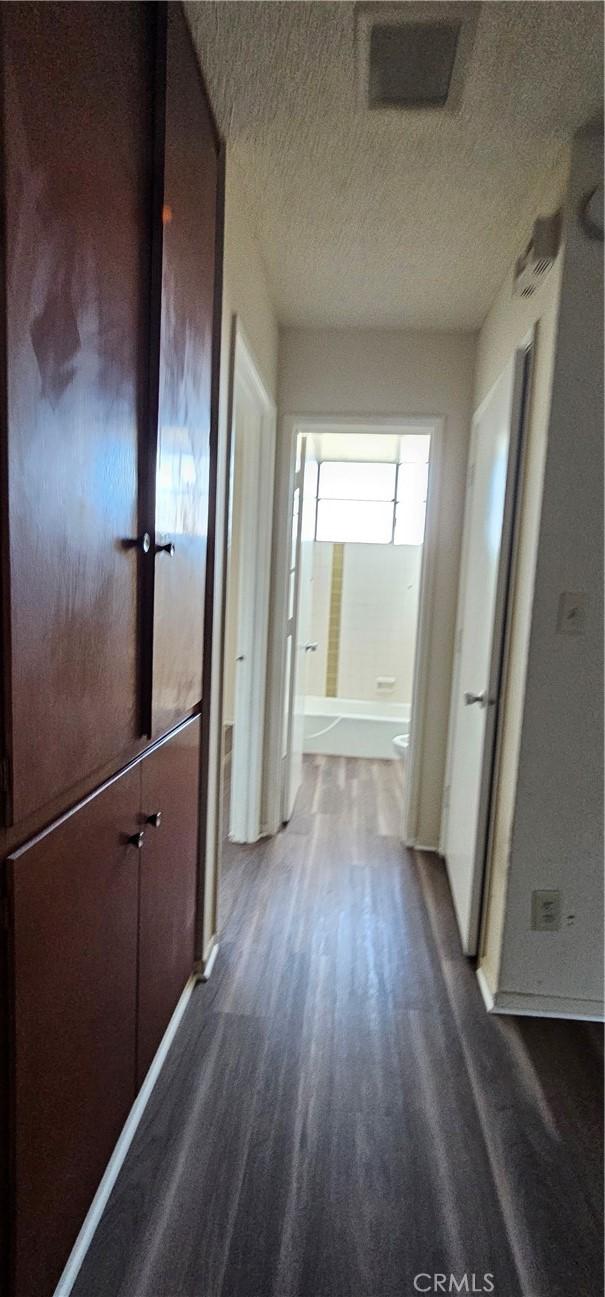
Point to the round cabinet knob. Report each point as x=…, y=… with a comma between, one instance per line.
x=168, y=549
x=138, y=542
x=136, y=839
x=155, y=819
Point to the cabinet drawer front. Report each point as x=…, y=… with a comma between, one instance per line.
x=185, y=376
x=168, y=872
x=77, y=161
x=73, y=897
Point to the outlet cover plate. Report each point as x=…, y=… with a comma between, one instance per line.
x=546, y=911
x=572, y=612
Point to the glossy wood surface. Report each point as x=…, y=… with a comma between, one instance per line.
x=73, y=910
x=185, y=381
x=168, y=878
x=338, y=1112
x=77, y=127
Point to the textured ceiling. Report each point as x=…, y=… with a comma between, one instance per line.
x=393, y=219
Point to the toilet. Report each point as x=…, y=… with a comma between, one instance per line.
x=401, y=744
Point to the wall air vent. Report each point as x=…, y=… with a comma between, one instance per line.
x=535, y=263
x=414, y=56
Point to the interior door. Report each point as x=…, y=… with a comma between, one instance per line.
x=77, y=231
x=300, y=597
x=244, y=814
x=250, y=570
x=185, y=376
x=486, y=553
x=73, y=896
x=168, y=874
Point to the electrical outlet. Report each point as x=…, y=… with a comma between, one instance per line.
x=546, y=911
x=571, y=616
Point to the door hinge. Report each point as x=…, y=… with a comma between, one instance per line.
x=5, y=772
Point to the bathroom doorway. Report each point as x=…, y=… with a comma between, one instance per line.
x=357, y=594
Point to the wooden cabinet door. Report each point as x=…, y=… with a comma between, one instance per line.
x=168, y=873
x=73, y=897
x=77, y=142
x=185, y=374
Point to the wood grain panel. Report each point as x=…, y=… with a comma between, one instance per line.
x=73, y=899
x=77, y=127
x=168, y=875
x=185, y=380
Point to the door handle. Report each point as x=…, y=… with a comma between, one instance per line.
x=138, y=542
x=155, y=819
x=469, y=699
x=168, y=548
x=135, y=839
x=311, y=647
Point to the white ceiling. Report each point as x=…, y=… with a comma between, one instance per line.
x=393, y=219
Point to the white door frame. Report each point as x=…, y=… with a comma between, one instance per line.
x=290, y=681
x=292, y=426
x=253, y=595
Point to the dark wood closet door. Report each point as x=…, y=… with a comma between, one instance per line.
x=73, y=896
x=182, y=478
x=170, y=790
x=77, y=137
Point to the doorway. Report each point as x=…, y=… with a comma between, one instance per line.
x=252, y=456
x=357, y=586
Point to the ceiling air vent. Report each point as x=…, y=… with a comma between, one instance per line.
x=411, y=64
x=414, y=56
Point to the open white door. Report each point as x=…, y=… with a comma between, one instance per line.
x=253, y=425
x=486, y=556
x=300, y=594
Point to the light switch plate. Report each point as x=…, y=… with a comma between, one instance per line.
x=571, y=616
x=546, y=911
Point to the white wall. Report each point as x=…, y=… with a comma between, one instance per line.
x=392, y=372
x=245, y=293
x=557, y=830
x=379, y=610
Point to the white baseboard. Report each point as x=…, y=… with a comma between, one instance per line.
x=422, y=846
x=486, y=990
x=209, y=961
x=114, y=1166
x=538, y=1006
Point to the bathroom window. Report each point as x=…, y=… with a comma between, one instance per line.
x=355, y=502
x=375, y=503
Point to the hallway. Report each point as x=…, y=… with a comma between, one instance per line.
x=338, y=1113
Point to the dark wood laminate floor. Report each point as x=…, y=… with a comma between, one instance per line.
x=338, y=1114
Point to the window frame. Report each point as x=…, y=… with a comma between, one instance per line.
x=393, y=501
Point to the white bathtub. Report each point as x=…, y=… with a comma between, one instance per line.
x=343, y=727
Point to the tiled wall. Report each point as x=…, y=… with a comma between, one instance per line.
x=377, y=625
x=334, y=620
